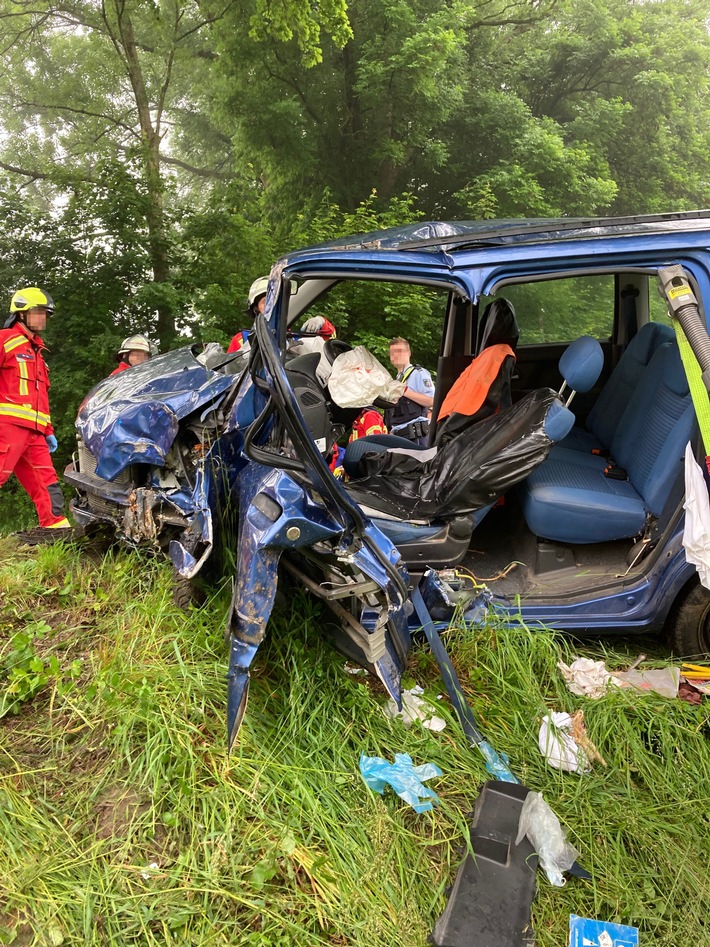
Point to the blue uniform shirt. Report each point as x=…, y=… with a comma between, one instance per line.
x=419, y=380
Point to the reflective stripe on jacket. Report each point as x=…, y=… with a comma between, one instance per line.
x=369, y=422
x=24, y=380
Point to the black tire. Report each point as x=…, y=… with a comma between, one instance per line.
x=689, y=624
x=186, y=594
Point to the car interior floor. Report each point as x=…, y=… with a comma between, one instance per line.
x=511, y=560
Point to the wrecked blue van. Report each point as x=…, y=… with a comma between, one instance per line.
x=558, y=501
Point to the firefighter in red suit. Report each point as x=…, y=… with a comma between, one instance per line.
x=26, y=433
x=367, y=423
x=134, y=350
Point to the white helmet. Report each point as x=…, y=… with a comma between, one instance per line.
x=135, y=343
x=258, y=289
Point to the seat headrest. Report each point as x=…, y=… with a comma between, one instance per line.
x=498, y=325
x=581, y=363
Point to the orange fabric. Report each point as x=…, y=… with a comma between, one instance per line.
x=24, y=380
x=470, y=389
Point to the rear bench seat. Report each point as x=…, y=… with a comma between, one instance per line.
x=569, y=498
x=609, y=407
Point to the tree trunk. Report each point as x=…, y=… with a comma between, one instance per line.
x=158, y=244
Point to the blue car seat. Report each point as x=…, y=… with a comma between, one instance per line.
x=609, y=407
x=578, y=497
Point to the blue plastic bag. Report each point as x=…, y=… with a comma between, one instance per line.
x=406, y=780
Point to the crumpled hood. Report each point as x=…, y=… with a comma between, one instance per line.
x=133, y=417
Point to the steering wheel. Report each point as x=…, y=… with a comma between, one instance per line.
x=335, y=347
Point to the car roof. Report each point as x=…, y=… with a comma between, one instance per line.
x=451, y=235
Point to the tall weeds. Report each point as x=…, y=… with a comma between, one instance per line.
x=125, y=822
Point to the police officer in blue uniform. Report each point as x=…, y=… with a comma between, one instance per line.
x=410, y=417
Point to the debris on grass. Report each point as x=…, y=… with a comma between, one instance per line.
x=585, y=932
x=593, y=679
x=544, y=831
x=414, y=708
x=406, y=779
x=587, y=678
x=663, y=681
x=565, y=744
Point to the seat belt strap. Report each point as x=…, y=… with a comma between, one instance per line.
x=698, y=392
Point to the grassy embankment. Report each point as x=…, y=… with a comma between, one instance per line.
x=123, y=821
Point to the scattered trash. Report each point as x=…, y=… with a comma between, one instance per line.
x=584, y=932
x=542, y=827
x=150, y=870
x=695, y=672
x=691, y=693
x=414, y=708
x=663, y=681
x=587, y=678
x=406, y=780
x=355, y=670
x=694, y=682
x=565, y=744
x=592, y=679
x=559, y=747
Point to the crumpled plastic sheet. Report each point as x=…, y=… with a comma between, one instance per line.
x=663, y=681
x=559, y=747
x=406, y=780
x=547, y=837
x=414, y=708
x=696, y=532
x=592, y=679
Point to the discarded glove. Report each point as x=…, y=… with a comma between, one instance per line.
x=51, y=443
x=406, y=780
x=314, y=324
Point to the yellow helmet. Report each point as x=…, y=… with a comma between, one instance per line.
x=30, y=298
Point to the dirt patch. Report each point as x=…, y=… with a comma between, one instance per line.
x=116, y=809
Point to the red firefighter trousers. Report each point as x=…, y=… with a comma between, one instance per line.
x=25, y=453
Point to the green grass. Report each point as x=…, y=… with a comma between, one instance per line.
x=113, y=759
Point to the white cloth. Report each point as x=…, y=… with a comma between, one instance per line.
x=696, y=534
x=587, y=678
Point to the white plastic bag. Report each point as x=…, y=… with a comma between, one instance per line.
x=358, y=379
x=696, y=535
x=559, y=747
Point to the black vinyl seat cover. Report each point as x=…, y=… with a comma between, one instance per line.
x=468, y=472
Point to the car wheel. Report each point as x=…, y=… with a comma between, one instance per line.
x=186, y=593
x=689, y=624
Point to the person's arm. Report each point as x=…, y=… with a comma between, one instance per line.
x=420, y=388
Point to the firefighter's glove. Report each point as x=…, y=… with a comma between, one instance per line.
x=314, y=324
x=51, y=443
